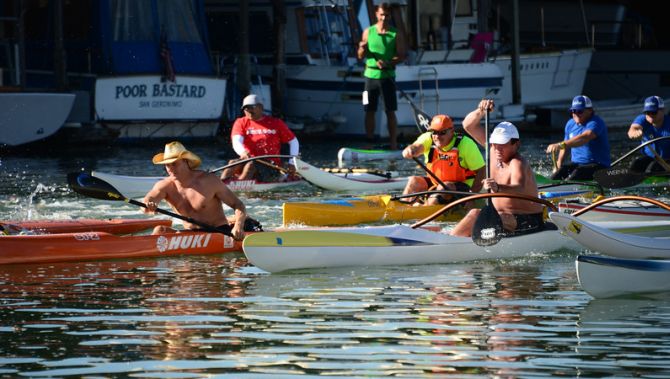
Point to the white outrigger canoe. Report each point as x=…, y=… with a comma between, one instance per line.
x=651, y=239
x=604, y=277
x=627, y=210
x=138, y=186
x=355, y=181
x=352, y=155
x=385, y=245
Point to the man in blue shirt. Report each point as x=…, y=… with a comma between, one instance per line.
x=650, y=125
x=586, y=140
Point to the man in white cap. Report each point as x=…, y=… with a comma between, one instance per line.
x=509, y=172
x=652, y=124
x=194, y=193
x=586, y=140
x=257, y=134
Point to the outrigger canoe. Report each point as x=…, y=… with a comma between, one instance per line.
x=652, y=239
x=385, y=245
x=627, y=210
x=112, y=226
x=603, y=277
x=138, y=186
x=67, y=247
x=360, y=210
x=377, y=209
x=356, y=181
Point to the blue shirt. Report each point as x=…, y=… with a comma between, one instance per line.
x=649, y=132
x=596, y=150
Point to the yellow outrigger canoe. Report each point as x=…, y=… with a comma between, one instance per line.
x=360, y=210
x=382, y=209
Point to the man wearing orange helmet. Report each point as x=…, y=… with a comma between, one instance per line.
x=454, y=158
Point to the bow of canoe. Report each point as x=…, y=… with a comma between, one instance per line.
x=66, y=247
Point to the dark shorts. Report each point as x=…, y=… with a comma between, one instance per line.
x=443, y=199
x=527, y=224
x=380, y=87
x=646, y=164
x=573, y=171
x=266, y=174
x=250, y=225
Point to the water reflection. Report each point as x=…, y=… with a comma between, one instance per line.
x=215, y=315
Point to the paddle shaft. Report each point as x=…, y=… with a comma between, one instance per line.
x=432, y=175
x=242, y=161
x=206, y=227
x=659, y=159
x=97, y=188
x=642, y=145
x=421, y=118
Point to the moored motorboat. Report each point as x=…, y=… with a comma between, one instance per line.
x=618, y=243
x=603, y=277
x=66, y=247
x=112, y=226
x=352, y=182
x=385, y=245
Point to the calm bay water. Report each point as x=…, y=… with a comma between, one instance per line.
x=217, y=316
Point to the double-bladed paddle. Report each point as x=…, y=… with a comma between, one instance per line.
x=614, y=177
x=97, y=188
x=487, y=229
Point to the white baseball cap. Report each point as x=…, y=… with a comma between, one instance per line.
x=251, y=100
x=503, y=133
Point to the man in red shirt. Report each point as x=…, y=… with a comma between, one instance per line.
x=258, y=134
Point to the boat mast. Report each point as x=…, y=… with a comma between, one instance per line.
x=279, y=69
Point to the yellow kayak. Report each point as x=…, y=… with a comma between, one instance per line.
x=360, y=210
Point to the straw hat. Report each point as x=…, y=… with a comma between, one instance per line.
x=174, y=151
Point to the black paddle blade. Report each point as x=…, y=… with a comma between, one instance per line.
x=87, y=185
x=618, y=177
x=488, y=228
x=421, y=118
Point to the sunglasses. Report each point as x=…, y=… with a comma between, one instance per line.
x=577, y=111
x=248, y=107
x=651, y=113
x=440, y=133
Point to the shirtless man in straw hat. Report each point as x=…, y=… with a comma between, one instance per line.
x=194, y=193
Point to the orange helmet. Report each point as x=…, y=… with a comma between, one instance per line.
x=441, y=122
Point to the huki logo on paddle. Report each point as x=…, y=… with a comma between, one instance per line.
x=185, y=241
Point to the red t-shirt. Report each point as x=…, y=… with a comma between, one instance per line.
x=263, y=137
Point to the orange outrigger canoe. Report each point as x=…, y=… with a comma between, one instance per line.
x=68, y=247
x=112, y=225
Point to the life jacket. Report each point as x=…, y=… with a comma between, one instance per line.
x=446, y=165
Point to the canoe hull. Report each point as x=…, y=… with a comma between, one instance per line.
x=137, y=186
x=351, y=155
x=67, y=247
x=616, y=243
x=384, y=245
x=353, y=211
x=112, y=226
x=353, y=182
x=621, y=211
x=603, y=277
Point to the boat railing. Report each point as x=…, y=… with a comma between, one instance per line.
x=429, y=73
